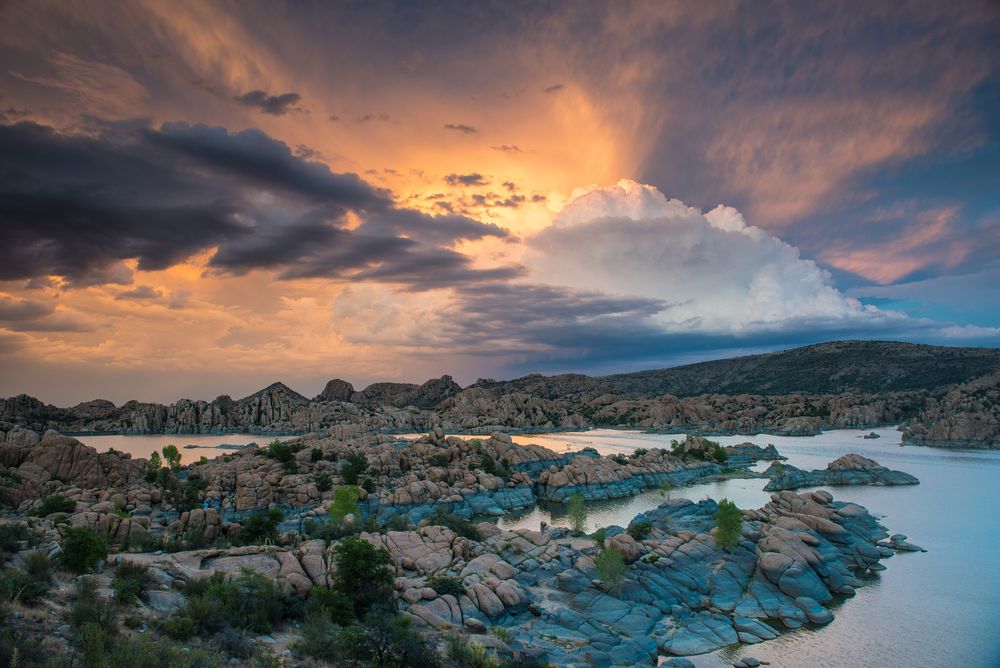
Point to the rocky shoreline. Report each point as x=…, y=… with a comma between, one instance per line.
x=522, y=594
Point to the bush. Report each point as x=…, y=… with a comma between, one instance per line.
x=382, y=640
x=260, y=528
x=447, y=584
x=11, y=536
x=639, y=530
x=153, y=467
x=471, y=654
x=728, y=524
x=324, y=483
x=51, y=505
x=183, y=495
x=576, y=512
x=599, y=537
x=345, y=502
x=333, y=605
x=82, y=548
x=92, y=608
x=316, y=455
x=249, y=602
x=104, y=649
x=39, y=566
x=178, y=627
x=365, y=574
x=611, y=570
x=489, y=465
x=462, y=527
x=17, y=585
x=355, y=465
x=439, y=460
x=718, y=453
x=130, y=582
x=368, y=484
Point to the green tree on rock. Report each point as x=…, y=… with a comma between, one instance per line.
x=345, y=502
x=173, y=457
x=365, y=574
x=728, y=524
x=611, y=570
x=576, y=511
x=154, y=466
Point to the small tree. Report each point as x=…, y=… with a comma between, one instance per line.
x=173, y=457
x=82, y=547
x=665, y=489
x=576, y=510
x=728, y=524
x=154, y=466
x=611, y=570
x=355, y=465
x=365, y=574
x=345, y=502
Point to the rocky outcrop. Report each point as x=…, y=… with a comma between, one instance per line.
x=850, y=469
x=968, y=416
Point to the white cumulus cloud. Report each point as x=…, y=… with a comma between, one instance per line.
x=714, y=272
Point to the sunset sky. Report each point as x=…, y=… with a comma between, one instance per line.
x=203, y=198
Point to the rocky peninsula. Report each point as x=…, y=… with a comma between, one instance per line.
x=284, y=520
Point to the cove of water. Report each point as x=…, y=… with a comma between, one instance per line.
x=937, y=608
x=142, y=446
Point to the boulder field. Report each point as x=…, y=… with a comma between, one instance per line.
x=681, y=594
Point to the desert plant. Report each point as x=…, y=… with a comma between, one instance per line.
x=728, y=524
x=461, y=526
x=665, y=489
x=355, y=464
x=260, y=528
x=639, y=530
x=446, y=584
x=82, y=548
x=153, y=467
x=599, y=537
x=334, y=605
x=611, y=570
x=39, y=566
x=576, y=511
x=51, y=505
x=130, y=582
x=324, y=483
x=365, y=574
x=316, y=455
x=345, y=502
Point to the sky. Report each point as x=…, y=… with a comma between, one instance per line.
x=202, y=198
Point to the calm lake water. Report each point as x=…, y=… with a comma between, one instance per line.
x=938, y=608
x=208, y=444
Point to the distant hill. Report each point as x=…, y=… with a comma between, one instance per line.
x=841, y=367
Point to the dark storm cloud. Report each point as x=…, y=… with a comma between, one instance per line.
x=77, y=206
x=276, y=105
x=473, y=179
x=253, y=155
x=461, y=127
x=26, y=315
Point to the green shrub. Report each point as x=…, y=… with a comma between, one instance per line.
x=178, y=627
x=729, y=524
x=130, y=582
x=365, y=574
x=718, y=453
x=576, y=512
x=153, y=467
x=345, y=502
x=39, y=566
x=439, y=460
x=104, y=649
x=386, y=641
x=82, y=548
x=183, y=495
x=17, y=585
x=11, y=536
x=462, y=527
x=316, y=455
x=447, y=584
x=56, y=503
x=92, y=608
x=355, y=465
x=599, y=537
x=260, y=528
x=249, y=602
x=324, y=483
x=611, y=570
x=319, y=638
x=368, y=484
x=639, y=530
x=334, y=605
x=471, y=654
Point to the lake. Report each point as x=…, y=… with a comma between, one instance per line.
x=937, y=608
x=143, y=446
